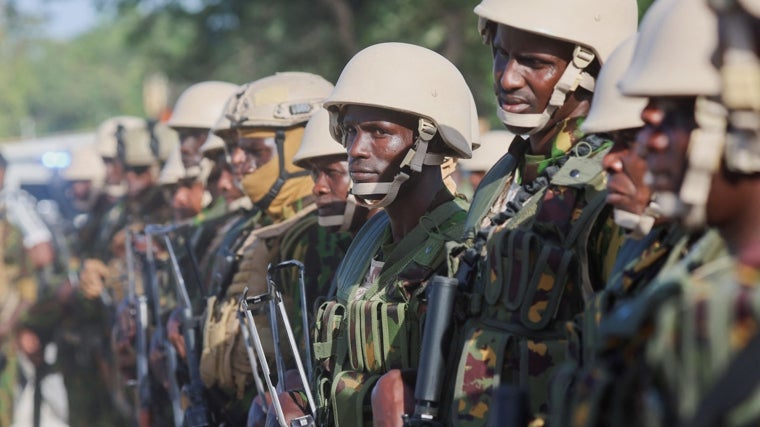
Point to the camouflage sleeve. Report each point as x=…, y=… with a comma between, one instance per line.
x=604, y=244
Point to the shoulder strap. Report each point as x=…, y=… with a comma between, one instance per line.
x=359, y=255
x=430, y=236
x=492, y=185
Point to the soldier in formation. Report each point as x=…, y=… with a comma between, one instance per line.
x=604, y=272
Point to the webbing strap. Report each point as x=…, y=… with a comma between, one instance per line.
x=359, y=255
x=492, y=185
x=408, y=247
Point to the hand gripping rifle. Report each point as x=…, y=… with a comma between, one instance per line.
x=140, y=313
x=169, y=351
x=197, y=414
x=277, y=312
x=441, y=292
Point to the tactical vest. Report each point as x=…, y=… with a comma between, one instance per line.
x=652, y=363
x=532, y=277
x=374, y=325
x=224, y=361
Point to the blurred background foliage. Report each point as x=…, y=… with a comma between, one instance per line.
x=50, y=85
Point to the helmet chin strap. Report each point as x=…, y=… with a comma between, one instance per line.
x=638, y=225
x=415, y=158
x=116, y=190
x=344, y=220
x=741, y=94
x=706, y=144
x=573, y=77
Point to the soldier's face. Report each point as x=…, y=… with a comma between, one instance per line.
x=526, y=67
x=225, y=185
x=626, y=168
x=376, y=141
x=139, y=179
x=251, y=153
x=190, y=143
x=331, y=184
x=188, y=199
x=665, y=137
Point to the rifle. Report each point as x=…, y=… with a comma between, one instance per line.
x=441, y=293
x=197, y=414
x=140, y=313
x=275, y=306
x=170, y=352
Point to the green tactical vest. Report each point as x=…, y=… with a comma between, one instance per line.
x=372, y=326
x=533, y=276
x=616, y=387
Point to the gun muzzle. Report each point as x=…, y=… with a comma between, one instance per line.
x=441, y=292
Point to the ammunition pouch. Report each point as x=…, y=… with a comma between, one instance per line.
x=223, y=361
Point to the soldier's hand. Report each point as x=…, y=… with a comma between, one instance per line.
x=92, y=278
x=392, y=397
x=174, y=332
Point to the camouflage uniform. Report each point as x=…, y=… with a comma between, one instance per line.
x=375, y=324
x=17, y=290
x=615, y=386
x=546, y=254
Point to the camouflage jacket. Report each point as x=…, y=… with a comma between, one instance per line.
x=535, y=251
x=666, y=347
x=638, y=263
x=224, y=362
x=376, y=322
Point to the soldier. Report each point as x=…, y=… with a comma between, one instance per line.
x=18, y=285
x=195, y=113
x=539, y=241
x=86, y=177
x=107, y=136
x=269, y=117
x=327, y=160
x=653, y=243
x=688, y=350
x=396, y=130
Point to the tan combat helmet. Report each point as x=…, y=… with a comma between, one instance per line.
x=106, y=140
x=493, y=145
x=610, y=109
x=200, y=105
x=147, y=145
x=737, y=59
x=86, y=165
x=673, y=59
x=278, y=106
x=173, y=170
x=417, y=81
x=596, y=27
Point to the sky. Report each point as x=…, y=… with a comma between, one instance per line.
x=67, y=18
